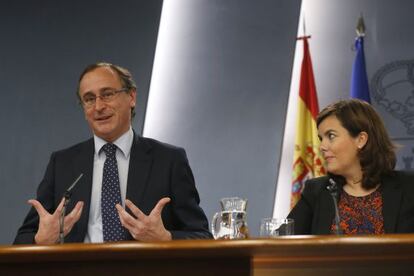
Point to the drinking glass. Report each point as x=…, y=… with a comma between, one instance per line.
x=274, y=227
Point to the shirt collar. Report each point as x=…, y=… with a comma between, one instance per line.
x=124, y=143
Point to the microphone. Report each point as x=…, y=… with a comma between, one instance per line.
x=333, y=190
x=67, y=195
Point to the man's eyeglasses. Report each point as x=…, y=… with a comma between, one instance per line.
x=106, y=96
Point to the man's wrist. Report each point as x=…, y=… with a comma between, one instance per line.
x=41, y=241
x=167, y=236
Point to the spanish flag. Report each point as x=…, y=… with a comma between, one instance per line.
x=307, y=160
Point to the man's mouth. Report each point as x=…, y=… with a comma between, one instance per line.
x=103, y=118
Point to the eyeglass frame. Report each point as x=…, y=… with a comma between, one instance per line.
x=107, y=100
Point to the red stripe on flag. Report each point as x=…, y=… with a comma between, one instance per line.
x=307, y=87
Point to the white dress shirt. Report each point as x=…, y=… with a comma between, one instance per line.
x=124, y=144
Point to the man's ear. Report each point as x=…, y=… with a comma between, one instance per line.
x=133, y=95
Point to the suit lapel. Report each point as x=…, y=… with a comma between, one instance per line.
x=83, y=163
x=326, y=213
x=391, y=200
x=139, y=170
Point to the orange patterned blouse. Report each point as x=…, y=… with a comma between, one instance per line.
x=360, y=215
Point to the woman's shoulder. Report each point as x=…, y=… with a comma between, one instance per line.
x=400, y=178
x=402, y=175
x=319, y=180
x=317, y=184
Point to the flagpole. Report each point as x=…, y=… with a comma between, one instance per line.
x=281, y=204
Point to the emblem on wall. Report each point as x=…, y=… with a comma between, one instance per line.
x=392, y=87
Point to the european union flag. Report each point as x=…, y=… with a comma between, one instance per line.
x=359, y=81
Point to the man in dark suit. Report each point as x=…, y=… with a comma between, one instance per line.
x=133, y=188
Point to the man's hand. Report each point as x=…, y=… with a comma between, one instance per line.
x=48, y=232
x=142, y=227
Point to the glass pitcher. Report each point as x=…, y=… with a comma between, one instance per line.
x=231, y=222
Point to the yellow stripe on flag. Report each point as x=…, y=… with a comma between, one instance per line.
x=308, y=161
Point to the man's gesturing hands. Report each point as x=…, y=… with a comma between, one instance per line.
x=143, y=227
x=48, y=232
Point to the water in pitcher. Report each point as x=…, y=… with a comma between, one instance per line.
x=231, y=222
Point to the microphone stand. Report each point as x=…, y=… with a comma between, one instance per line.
x=67, y=195
x=333, y=190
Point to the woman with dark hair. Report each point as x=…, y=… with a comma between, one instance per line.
x=372, y=198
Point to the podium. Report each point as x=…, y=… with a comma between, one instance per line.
x=296, y=255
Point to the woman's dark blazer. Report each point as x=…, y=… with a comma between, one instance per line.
x=315, y=211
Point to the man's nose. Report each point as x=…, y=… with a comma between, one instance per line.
x=99, y=104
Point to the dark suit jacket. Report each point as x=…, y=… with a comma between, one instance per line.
x=315, y=211
x=156, y=170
